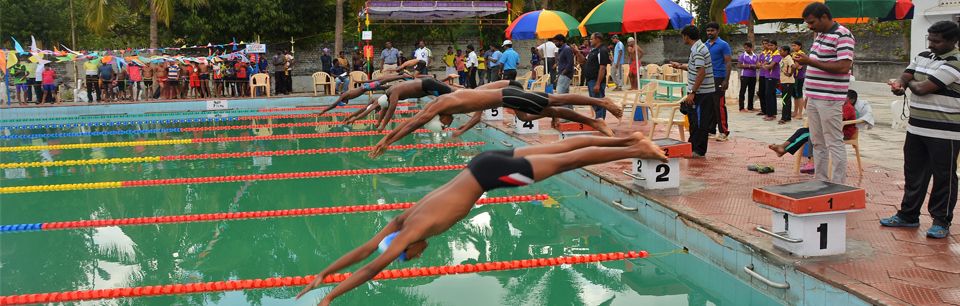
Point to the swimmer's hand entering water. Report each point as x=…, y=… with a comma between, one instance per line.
x=312, y=285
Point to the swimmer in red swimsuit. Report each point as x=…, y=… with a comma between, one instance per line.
x=405, y=237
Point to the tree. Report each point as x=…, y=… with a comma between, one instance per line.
x=102, y=14
x=338, y=29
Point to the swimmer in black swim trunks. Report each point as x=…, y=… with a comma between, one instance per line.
x=419, y=88
x=405, y=237
x=464, y=101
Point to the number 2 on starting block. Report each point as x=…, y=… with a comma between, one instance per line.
x=493, y=114
x=526, y=127
x=655, y=174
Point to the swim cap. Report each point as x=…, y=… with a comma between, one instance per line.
x=434, y=125
x=383, y=101
x=385, y=244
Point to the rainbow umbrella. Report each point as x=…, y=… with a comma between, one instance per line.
x=630, y=16
x=740, y=11
x=543, y=24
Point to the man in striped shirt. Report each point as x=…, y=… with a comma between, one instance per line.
x=699, y=104
x=827, y=82
x=933, y=132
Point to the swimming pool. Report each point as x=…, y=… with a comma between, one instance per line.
x=128, y=256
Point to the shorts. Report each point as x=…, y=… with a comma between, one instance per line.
x=433, y=87
x=23, y=87
x=375, y=85
x=798, y=88
x=204, y=76
x=173, y=82
x=528, y=102
x=499, y=169
x=49, y=87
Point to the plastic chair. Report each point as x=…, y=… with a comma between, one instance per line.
x=900, y=114
x=854, y=142
x=540, y=85
x=658, y=117
x=669, y=74
x=323, y=81
x=259, y=80
x=356, y=77
x=645, y=100
x=376, y=74
x=576, y=76
x=652, y=71
x=538, y=70
x=525, y=78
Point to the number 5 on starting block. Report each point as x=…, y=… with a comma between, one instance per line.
x=493, y=114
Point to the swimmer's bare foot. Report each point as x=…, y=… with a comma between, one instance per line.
x=613, y=108
x=645, y=148
x=779, y=149
x=602, y=127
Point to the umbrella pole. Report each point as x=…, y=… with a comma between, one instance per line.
x=636, y=57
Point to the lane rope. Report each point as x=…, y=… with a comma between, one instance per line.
x=320, y=108
x=225, y=179
x=201, y=156
x=297, y=212
x=191, y=129
x=182, y=120
x=199, y=140
x=275, y=282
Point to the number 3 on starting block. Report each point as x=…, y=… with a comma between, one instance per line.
x=655, y=174
x=526, y=127
x=493, y=114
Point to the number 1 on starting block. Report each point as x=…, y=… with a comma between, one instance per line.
x=493, y=114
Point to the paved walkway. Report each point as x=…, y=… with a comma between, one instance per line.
x=882, y=265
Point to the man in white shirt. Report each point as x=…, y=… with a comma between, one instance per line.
x=549, y=52
x=423, y=54
x=471, y=64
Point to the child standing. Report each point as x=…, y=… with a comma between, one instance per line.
x=135, y=73
x=195, y=81
x=49, y=85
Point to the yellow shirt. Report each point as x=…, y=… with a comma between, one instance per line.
x=481, y=63
x=785, y=64
x=448, y=59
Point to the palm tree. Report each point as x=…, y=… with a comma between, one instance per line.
x=101, y=14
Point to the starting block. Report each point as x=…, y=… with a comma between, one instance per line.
x=570, y=129
x=493, y=114
x=810, y=218
x=526, y=127
x=654, y=174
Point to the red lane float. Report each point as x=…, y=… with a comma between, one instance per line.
x=320, y=108
x=274, y=282
x=315, y=151
x=47, y=226
x=277, y=125
x=300, y=136
x=294, y=116
x=286, y=175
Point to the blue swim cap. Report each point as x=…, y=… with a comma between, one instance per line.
x=385, y=243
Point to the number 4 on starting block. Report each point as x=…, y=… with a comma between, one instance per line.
x=526, y=127
x=570, y=129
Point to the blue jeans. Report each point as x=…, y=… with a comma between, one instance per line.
x=599, y=112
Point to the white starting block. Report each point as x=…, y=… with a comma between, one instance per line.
x=526, y=127
x=571, y=129
x=655, y=174
x=493, y=114
x=810, y=218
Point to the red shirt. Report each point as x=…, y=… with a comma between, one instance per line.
x=241, y=70
x=849, y=113
x=49, y=77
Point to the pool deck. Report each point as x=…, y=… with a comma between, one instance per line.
x=881, y=265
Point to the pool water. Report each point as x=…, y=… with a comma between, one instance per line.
x=112, y=257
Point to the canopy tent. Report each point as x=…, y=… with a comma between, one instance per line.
x=444, y=12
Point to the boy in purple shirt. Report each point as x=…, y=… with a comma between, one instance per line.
x=771, y=71
x=762, y=75
x=747, y=61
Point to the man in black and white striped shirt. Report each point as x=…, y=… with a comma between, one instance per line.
x=700, y=90
x=933, y=132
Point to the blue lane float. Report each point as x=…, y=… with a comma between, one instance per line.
x=119, y=123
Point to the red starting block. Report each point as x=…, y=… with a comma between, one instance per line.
x=810, y=218
x=654, y=174
x=570, y=129
x=675, y=148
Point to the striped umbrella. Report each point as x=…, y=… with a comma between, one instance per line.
x=631, y=16
x=543, y=24
x=771, y=10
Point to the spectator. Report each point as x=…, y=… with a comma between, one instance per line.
x=549, y=51
x=481, y=68
x=147, y=73
x=720, y=55
x=389, y=57
x=534, y=62
x=830, y=60
x=494, y=64
x=400, y=57
x=698, y=104
x=802, y=135
x=135, y=73
x=288, y=71
x=932, y=144
x=342, y=58
x=509, y=61
x=762, y=75
x=49, y=85
x=634, y=54
x=278, y=72
x=565, y=64
x=195, y=91
x=423, y=53
x=461, y=63
x=240, y=73
x=471, y=65
x=800, y=73
x=159, y=79
x=772, y=68
x=786, y=83
x=18, y=75
x=616, y=66
x=449, y=61
x=37, y=76
x=173, y=80
x=262, y=65
x=326, y=61
x=204, y=68
x=340, y=74
x=595, y=72
x=357, y=61
x=105, y=72
x=31, y=79
x=90, y=68
x=747, y=62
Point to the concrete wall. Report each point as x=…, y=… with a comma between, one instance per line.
x=921, y=21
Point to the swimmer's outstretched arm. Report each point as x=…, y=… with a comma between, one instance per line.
x=403, y=130
x=358, y=254
x=388, y=113
x=470, y=124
